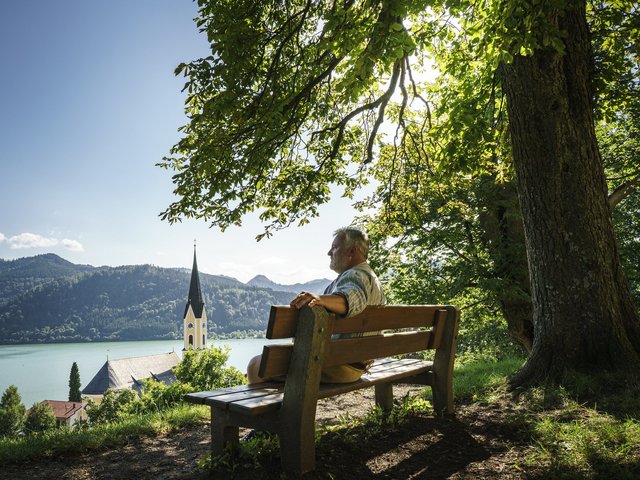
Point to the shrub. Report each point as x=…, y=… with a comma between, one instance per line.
x=206, y=370
x=40, y=418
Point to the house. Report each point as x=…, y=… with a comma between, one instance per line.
x=67, y=413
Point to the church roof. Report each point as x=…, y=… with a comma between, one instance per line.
x=128, y=373
x=195, y=294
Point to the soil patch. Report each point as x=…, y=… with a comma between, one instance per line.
x=479, y=443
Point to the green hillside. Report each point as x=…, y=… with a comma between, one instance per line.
x=46, y=303
x=20, y=276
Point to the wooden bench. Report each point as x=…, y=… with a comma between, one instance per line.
x=288, y=408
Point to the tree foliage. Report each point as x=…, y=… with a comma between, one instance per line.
x=205, y=369
x=12, y=412
x=293, y=101
x=40, y=418
x=114, y=406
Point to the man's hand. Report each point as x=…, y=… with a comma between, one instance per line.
x=333, y=303
x=305, y=298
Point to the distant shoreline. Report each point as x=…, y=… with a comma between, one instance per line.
x=240, y=336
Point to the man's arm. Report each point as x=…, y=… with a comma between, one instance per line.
x=333, y=303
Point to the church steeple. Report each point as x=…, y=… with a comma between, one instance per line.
x=195, y=317
x=195, y=294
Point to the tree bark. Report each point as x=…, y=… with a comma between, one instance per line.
x=503, y=237
x=584, y=317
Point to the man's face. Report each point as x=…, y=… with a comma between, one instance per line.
x=340, y=254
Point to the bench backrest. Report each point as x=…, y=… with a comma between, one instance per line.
x=427, y=323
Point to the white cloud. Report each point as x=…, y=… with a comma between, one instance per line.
x=33, y=240
x=30, y=240
x=72, y=245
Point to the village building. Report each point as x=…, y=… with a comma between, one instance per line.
x=67, y=413
x=130, y=373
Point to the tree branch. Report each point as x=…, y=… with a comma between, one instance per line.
x=623, y=191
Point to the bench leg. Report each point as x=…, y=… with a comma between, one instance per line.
x=442, y=396
x=384, y=396
x=298, y=449
x=221, y=432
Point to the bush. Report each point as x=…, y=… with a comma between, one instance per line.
x=156, y=396
x=113, y=407
x=40, y=418
x=206, y=370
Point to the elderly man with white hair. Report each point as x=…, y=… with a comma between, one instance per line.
x=355, y=287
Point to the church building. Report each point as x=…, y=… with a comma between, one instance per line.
x=130, y=373
x=195, y=316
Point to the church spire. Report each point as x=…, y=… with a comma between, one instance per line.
x=195, y=294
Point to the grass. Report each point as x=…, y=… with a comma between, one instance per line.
x=589, y=428
x=107, y=435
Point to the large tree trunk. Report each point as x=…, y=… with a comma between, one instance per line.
x=503, y=237
x=584, y=318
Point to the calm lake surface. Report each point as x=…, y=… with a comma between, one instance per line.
x=41, y=372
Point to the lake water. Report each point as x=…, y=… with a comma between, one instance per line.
x=41, y=372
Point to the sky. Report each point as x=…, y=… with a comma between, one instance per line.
x=88, y=105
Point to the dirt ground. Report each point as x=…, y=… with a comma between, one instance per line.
x=477, y=444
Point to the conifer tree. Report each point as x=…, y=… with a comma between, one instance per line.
x=12, y=412
x=74, y=384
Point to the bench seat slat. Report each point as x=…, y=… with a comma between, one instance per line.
x=223, y=401
x=263, y=400
x=258, y=405
x=201, y=397
x=392, y=373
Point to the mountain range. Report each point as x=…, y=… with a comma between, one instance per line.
x=46, y=298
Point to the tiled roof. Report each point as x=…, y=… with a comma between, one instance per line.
x=63, y=410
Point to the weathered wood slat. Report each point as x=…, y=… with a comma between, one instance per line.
x=353, y=350
x=222, y=401
x=283, y=319
x=269, y=398
x=276, y=358
x=374, y=319
x=200, y=397
x=439, y=319
x=259, y=405
x=368, y=380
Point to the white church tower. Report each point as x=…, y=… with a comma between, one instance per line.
x=195, y=317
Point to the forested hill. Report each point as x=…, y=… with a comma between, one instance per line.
x=24, y=274
x=47, y=299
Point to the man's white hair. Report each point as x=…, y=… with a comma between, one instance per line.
x=355, y=237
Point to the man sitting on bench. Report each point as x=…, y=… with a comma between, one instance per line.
x=356, y=287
